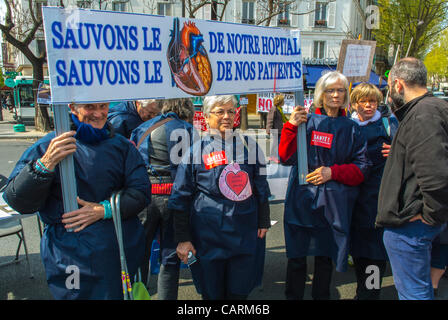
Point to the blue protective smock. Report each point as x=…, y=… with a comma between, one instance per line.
x=317, y=218
x=100, y=169
x=224, y=232
x=177, y=132
x=124, y=118
x=365, y=240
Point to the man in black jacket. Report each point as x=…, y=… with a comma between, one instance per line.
x=413, y=199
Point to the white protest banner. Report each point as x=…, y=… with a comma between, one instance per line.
x=96, y=56
x=355, y=59
x=265, y=101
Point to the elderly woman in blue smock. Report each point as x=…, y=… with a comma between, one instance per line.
x=104, y=163
x=220, y=197
x=366, y=241
x=318, y=214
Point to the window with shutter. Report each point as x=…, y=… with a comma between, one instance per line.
x=248, y=12
x=320, y=15
x=40, y=47
x=319, y=49
x=86, y=4
x=283, y=17
x=312, y=14
x=119, y=6
x=164, y=9
x=38, y=8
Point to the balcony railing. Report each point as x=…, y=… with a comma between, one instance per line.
x=248, y=21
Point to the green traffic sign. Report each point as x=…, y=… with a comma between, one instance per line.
x=11, y=74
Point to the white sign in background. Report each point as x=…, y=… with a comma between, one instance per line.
x=265, y=101
x=96, y=56
x=357, y=60
x=5, y=210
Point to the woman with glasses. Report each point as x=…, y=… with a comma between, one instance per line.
x=318, y=213
x=221, y=210
x=366, y=242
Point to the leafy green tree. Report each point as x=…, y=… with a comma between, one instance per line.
x=436, y=60
x=2, y=79
x=413, y=25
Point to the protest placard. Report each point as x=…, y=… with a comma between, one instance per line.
x=5, y=210
x=96, y=56
x=265, y=101
x=355, y=59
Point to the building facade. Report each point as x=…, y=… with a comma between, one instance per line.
x=324, y=23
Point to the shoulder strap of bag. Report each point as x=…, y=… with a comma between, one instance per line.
x=152, y=128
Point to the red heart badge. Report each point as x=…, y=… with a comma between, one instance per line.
x=237, y=182
x=234, y=183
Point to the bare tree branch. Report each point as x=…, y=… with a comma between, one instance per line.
x=308, y=12
x=19, y=30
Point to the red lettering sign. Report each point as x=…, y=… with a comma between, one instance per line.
x=214, y=159
x=321, y=139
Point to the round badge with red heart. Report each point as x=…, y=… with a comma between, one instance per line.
x=234, y=183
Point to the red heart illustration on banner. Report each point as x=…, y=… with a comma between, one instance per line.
x=237, y=181
x=188, y=60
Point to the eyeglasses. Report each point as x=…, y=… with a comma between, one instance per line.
x=331, y=91
x=371, y=102
x=220, y=113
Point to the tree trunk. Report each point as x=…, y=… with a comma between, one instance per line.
x=270, y=11
x=41, y=119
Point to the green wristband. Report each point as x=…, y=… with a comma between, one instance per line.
x=107, y=209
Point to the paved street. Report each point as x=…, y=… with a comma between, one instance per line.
x=16, y=284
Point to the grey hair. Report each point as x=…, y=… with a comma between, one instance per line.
x=182, y=107
x=213, y=101
x=324, y=82
x=76, y=106
x=411, y=70
x=148, y=102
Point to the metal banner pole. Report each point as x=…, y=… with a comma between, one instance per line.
x=302, y=157
x=395, y=60
x=66, y=166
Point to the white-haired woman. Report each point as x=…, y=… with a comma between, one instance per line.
x=126, y=116
x=318, y=214
x=220, y=198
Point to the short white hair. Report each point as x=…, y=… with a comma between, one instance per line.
x=327, y=80
x=213, y=101
x=148, y=102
